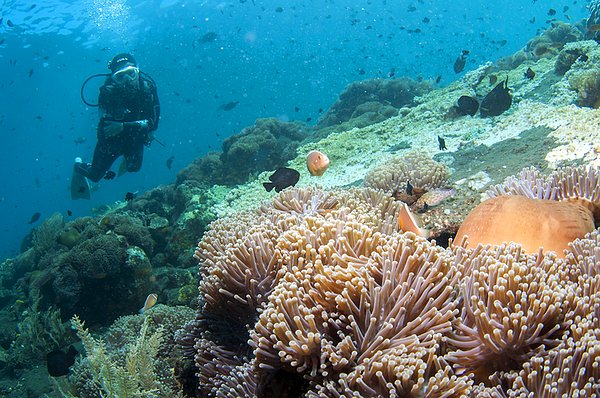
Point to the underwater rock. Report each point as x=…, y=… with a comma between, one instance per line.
x=396, y=93
x=496, y=101
x=566, y=58
x=546, y=45
x=267, y=145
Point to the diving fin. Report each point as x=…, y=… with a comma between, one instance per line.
x=122, y=167
x=80, y=187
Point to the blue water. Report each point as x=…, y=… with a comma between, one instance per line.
x=271, y=56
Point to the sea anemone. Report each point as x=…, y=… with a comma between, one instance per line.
x=511, y=305
x=537, y=211
x=408, y=177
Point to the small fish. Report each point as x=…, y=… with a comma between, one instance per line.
x=317, y=162
x=30, y=72
x=460, y=62
x=129, y=196
x=208, y=37
x=467, y=105
x=80, y=140
x=149, y=303
x=551, y=12
x=583, y=58
x=69, y=213
x=426, y=20
x=228, y=106
x=407, y=222
x=282, y=178
x=529, y=74
x=36, y=216
x=279, y=9
x=441, y=143
x=593, y=28
x=110, y=175
x=58, y=362
x=9, y=23
x=496, y=101
x=409, y=188
x=170, y=162
x=433, y=198
x=493, y=79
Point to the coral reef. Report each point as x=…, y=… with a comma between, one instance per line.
x=546, y=45
x=266, y=145
x=269, y=144
x=377, y=99
x=335, y=301
x=135, y=357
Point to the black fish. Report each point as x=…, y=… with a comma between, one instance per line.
x=282, y=178
x=551, y=12
x=409, y=188
x=170, y=162
x=69, y=213
x=35, y=217
x=9, y=23
x=496, y=101
x=208, y=37
x=30, y=72
x=129, y=196
x=529, y=73
x=110, y=175
x=228, y=106
x=460, y=62
x=442, y=143
x=467, y=105
x=59, y=362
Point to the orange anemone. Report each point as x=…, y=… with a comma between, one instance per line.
x=531, y=223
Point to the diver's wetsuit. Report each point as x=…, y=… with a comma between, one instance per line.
x=128, y=105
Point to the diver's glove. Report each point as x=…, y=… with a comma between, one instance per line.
x=111, y=128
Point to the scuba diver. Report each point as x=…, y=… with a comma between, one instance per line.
x=129, y=114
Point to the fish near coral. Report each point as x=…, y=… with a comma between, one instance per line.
x=497, y=101
x=317, y=162
x=149, y=303
x=531, y=223
x=408, y=223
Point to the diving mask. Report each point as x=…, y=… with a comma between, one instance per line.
x=126, y=75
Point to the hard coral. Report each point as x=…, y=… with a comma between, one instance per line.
x=377, y=98
x=268, y=144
